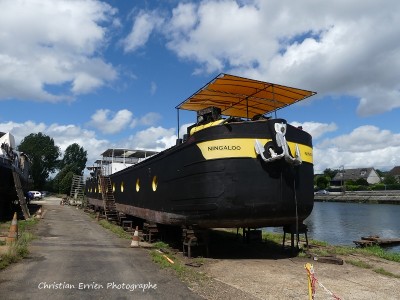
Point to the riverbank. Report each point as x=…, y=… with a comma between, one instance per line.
x=264, y=271
x=375, y=197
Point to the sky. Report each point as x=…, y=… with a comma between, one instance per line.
x=109, y=74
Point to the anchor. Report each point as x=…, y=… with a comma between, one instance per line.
x=280, y=129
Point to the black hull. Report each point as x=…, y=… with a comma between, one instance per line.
x=8, y=193
x=215, y=179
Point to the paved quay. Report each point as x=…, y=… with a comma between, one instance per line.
x=378, y=197
x=75, y=258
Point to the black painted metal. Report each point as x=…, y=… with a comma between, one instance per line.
x=226, y=192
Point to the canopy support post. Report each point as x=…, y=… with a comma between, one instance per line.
x=273, y=98
x=177, y=110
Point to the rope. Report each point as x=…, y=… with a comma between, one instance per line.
x=311, y=275
x=297, y=214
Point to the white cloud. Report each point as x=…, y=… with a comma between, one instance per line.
x=183, y=129
x=341, y=48
x=150, y=118
x=53, y=44
x=109, y=122
x=21, y=130
x=184, y=18
x=219, y=33
x=365, y=146
x=333, y=158
x=316, y=129
x=152, y=138
x=153, y=88
x=143, y=25
x=363, y=139
x=63, y=135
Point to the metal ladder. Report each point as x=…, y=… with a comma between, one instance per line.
x=110, y=208
x=77, y=190
x=20, y=193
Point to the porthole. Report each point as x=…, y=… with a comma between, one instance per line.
x=122, y=187
x=154, y=183
x=137, y=185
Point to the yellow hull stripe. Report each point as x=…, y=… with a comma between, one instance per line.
x=201, y=127
x=244, y=147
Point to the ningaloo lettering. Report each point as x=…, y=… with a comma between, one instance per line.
x=224, y=147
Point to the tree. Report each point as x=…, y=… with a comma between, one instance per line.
x=43, y=154
x=75, y=157
x=73, y=163
x=390, y=179
x=65, y=183
x=322, y=182
x=56, y=182
x=351, y=182
x=330, y=173
x=381, y=173
x=362, y=181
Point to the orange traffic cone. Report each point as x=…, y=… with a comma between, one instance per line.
x=13, y=234
x=135, y=238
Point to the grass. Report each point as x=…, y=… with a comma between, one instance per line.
x=19, y=249
x=118, y=230
x=162, y=260
x=273, y=241
x=324, y=249
x=371, y=251
x=381, y=253
x=385, y=273
x=270, y=240
x=367, y=251
x=160, y=254
x=358, y=263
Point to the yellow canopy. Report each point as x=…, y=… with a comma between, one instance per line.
x=242, y=97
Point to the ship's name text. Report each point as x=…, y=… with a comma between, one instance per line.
x=224, y=147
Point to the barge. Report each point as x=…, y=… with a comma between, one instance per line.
x=236, y=166
x=14, y=177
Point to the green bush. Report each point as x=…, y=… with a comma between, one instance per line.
x=352, y=188
x=382, y=187
x=378, y=187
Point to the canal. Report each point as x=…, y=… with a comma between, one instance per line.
x=343, y=223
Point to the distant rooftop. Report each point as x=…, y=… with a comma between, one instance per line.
x=128, y=153
x=369, y=174
x=114, y=160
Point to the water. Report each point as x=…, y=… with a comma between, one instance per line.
x=343, y=223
